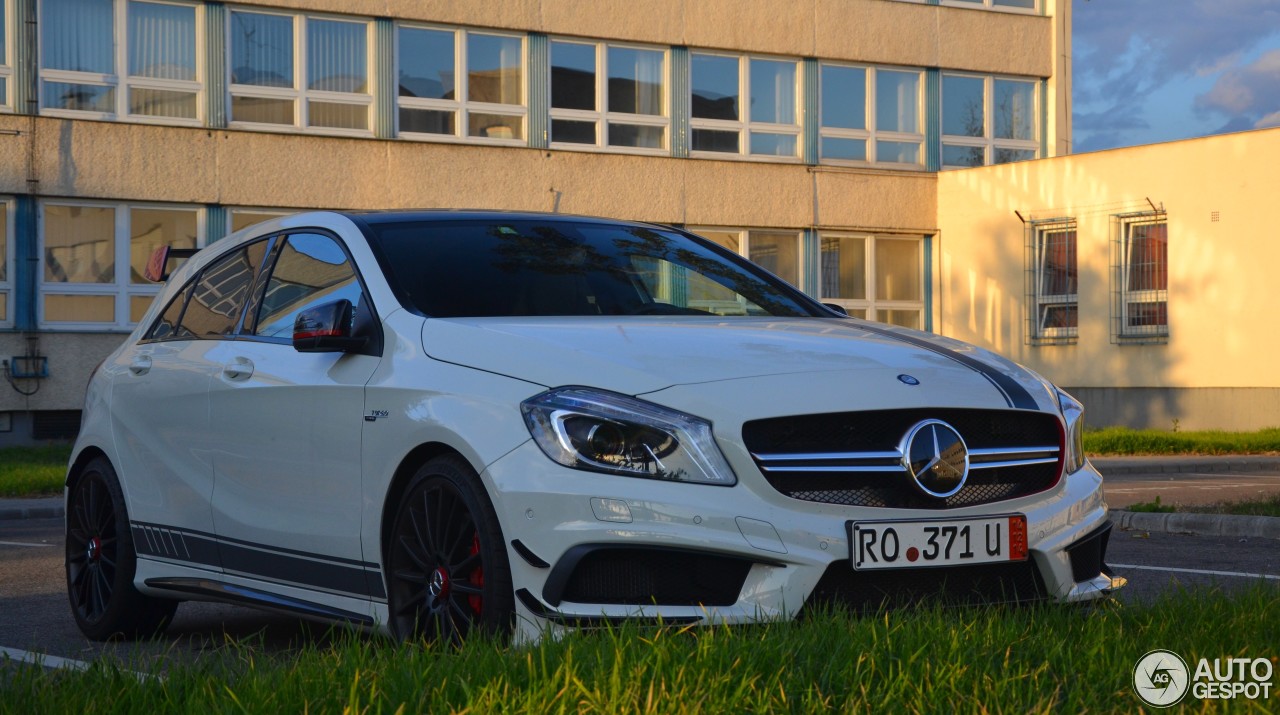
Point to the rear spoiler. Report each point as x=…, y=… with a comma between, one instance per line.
x=158, y=268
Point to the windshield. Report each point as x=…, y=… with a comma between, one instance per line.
x=454, y=269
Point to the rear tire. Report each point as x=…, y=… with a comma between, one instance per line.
x=101, y=562
x=447, y=569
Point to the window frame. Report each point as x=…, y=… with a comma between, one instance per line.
x=743, y=125
x=871, y=305
x=121, y=290
x=601, y=115
x=123, y=82
x=988, y=141
x=8, y=261
x=872, y=134
x=992, y=5
x=6, y=59
x=462, y=107
x=1037, y=299
x=298, y=93
x=1123, y=295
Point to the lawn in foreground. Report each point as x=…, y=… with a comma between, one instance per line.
x=1019, y=659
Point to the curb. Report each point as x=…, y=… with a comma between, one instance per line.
x=1110, y=466
x=32, y=512
x=1262, y=527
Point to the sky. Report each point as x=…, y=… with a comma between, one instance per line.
x=1148, y=71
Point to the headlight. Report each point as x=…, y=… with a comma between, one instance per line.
x=1073, y=415
x=600, y=431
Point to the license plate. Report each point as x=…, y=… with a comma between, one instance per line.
x=900, y=544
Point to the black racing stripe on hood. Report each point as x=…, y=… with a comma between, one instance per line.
x=1014, y=394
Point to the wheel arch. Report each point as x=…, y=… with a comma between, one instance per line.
x=86, y=455
x=408, y=466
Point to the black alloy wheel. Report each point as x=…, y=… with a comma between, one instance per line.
x=101, y=562
x=447, y=568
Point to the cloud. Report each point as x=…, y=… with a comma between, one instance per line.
x=1184, y=38
x=1251, y=92
x=1127, y=51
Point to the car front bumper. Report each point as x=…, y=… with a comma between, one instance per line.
x=558, y=520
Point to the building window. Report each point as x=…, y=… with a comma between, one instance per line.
x=854, y=129
x=460, y=84
x=154, y=74
x=776, y=251
x=6, y=261
x=246, y=217
x=292, y=71
x=1053, y=282
x=988, y=120
x=608, y=96
x=1140, y=255
x=744, y=105
x=1019, y=5
x=93, y=256
x=6, y=61
x=875, y=277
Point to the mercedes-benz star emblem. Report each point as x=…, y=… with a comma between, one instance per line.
x=936, y=458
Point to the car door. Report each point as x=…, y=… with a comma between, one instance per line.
x=286, y=427
x=160, y=410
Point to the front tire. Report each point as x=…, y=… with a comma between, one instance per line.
x=101, y=562
x=447, y=568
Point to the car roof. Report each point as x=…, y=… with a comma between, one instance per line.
x=479, y=215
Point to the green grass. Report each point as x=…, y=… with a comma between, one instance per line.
x=1044, y=659
x=1266, y=506
x=1122, y=441
x=33, y=471
x=1152, y=507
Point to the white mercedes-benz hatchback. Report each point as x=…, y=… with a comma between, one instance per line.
x=437, y=422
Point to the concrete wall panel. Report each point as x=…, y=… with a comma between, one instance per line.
x=72, y=358
x=996, y=42
x=876, y=200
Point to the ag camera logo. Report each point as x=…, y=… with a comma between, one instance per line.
x=1161, y=678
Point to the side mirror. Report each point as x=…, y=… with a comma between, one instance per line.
x=834, y=308
x=326, y=328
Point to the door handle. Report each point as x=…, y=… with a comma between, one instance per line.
x=240, y=368
x=141, y=364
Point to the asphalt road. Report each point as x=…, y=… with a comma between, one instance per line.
x=35, y=616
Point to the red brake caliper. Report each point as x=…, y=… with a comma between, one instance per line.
x=477, y=577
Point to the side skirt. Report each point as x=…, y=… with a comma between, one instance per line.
x=232, y=593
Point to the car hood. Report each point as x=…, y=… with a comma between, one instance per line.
x=636, y=355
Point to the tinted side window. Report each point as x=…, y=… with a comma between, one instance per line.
x=312, y=269
x=219, y=296
x=166, y=326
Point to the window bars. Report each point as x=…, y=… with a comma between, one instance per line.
x=1140, y=277
x=1052, y=282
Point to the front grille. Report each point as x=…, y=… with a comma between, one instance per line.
x=854, y=458
x=841, y=586
x=647, y=576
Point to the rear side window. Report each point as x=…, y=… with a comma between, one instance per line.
x=311, y=269
x=167, y=327
x=219, y=296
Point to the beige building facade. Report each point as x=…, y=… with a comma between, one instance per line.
x=807, y=135
x=1140, y=279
